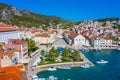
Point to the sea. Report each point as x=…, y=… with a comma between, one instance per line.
x=108, y=71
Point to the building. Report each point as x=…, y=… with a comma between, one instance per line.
x=28, y=34
x=18, y=44
x=102, y=43
x=8, y=32
x=8, y=57
x=44, y=38
x=21, y=33
x=78, y=40
x=16, y=72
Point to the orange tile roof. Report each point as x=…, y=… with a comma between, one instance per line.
x=8, y=53
x=36, y=31
x=17, y=42
x=73, y=35
x=13, y=73
x=85, y=35
x=7, y=29
x=42, y=35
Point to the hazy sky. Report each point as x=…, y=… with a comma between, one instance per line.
x=70, y=9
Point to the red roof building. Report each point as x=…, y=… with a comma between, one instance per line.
x=18, y=44
x=13, y=73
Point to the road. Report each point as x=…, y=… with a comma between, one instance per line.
x=30, y=70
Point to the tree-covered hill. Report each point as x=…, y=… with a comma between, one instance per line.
x=25, y=18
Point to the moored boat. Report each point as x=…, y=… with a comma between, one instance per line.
x=102, y=62
x=118, y=49
x=35, y=77
x=85, y=65
x=63, y=67
x=51, y=68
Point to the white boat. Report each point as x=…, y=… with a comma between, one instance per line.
x=62, y=67
x=102, y=62
x=118, y=48
x=35, y=77
x=42, y=79
x=85, y=65
x=52, y=78
x=51, y=68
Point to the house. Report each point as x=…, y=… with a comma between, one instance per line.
x=7, y=33
x=44, y=38
x=16, y=72
x=10, y=32
x=77, y=39
x=18, y=44
x=8, y=57
x=21, y=33
x=102, y=43
x=28, y=33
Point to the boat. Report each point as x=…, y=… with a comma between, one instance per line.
x=53, y=78
x=85, y=49
x=49, y=78
x=62, y=67
x=118, y=49
x=85, y=65
x=102, y=62
x=51, y=68
x=35, y=77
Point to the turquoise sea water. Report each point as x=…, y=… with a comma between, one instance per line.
x=109, y=71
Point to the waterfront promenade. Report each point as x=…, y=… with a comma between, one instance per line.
x=40, y=68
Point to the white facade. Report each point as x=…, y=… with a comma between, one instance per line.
x=4, y=36
x=44, y=40
x=103, y=43
x=21, y=34
x=28, y=34
x=79, y=40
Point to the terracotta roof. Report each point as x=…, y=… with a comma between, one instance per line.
x=13, y=73
x=73, y=35
x=17, y=42
x=85, y=35
x=8, y=52
x=2, y=29
x=42, y=35
x=34, y=31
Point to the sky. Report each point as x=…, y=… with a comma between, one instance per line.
x=75, y=10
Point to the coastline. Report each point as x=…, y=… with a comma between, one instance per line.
x=41, y=68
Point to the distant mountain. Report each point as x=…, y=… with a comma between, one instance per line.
x=25, y=18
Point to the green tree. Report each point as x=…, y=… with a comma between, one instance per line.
x=66, y=55
x=31, y=46
x=42, y=53
x=53, y=54
x=76, y=56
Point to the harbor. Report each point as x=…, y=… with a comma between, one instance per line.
x=41, y=68
x=91, y=73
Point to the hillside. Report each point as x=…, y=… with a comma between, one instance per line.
x=25, y=18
